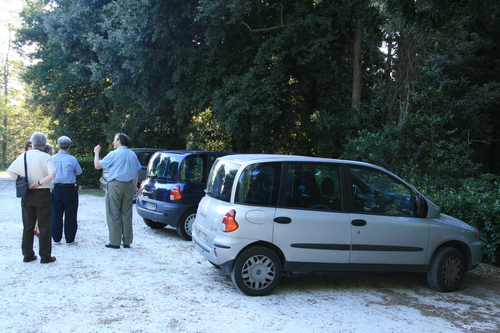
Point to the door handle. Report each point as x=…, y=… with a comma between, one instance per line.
x=358, y=223
x=282, y=220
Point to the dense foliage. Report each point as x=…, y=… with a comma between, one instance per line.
x=301, y=77
x=413, y=86
x=89, y=178
x=476, y=201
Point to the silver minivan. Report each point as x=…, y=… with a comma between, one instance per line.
x=266, y=215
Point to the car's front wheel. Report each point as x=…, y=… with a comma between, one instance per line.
x=447, y=270
x=185, y=225
x=154, y=225
x=257, y=271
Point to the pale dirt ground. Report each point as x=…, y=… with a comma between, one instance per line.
x=162, y=284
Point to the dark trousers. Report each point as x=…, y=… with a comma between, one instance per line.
x=64, y=205
x=37, y=205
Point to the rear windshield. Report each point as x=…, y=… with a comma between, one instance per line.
x=221, y=180
x=164, y=166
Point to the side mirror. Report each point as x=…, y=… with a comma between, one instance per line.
x=422, y=207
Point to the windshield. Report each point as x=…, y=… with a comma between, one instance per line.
x=221, y=179
x=164, y=166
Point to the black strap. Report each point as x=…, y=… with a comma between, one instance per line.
x=26, y=169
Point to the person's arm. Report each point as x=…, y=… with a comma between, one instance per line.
x=13, y=175
x=14, y=169
x=43, y=181
x=78, y=168
x=135, y=182
x=97, y=150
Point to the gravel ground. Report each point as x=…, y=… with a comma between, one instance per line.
x=162, y=284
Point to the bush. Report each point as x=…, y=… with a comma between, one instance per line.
x=477, y=202
x=90, y=176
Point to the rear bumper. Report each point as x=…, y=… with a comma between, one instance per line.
x=167, y=213
x=224, y=250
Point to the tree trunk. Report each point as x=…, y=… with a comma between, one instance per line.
x=357, y=71
x=6, y=106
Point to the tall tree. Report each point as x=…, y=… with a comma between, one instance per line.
x=5, y=102
x=285, y=69
x=15, y=121
x=145, y=49
x=438, y=98
x=61, y=77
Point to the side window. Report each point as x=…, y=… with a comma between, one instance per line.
x=144, y=158
x=192, y=169
x=259, y=184
x=212, y=158
x=314, y=186
x=377, y=192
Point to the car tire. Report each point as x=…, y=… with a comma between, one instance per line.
x=257, y=271
x=154, y=225
x=185, y=225
x=447, y=270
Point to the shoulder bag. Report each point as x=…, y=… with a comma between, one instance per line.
x=22, y=186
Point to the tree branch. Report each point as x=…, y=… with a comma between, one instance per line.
x=282, y=25
x=264, y=29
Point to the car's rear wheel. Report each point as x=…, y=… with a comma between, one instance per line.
x=447, y=270
x=185, y=225
x=154, y=225
x=257, y=271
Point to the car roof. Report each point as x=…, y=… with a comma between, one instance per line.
x=244, y=158
x=145, y=149
x=189, y=152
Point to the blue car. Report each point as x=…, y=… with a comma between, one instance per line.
x=174, y=185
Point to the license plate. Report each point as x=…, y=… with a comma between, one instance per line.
x=150, y=206
x=203, y=236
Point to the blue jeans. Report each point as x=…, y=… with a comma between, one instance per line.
x=64, y=203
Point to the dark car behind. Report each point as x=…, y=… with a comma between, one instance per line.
x=174, y=185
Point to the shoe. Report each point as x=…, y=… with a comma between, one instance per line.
x=112, y=246
x=126, y=246
x=29, y=258
x=57, y=243
x=72, y=243
x=48, y=260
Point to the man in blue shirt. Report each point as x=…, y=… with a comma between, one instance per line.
x=123, y=166
x=65, y=193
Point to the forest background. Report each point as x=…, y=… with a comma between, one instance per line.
x=413, y=86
